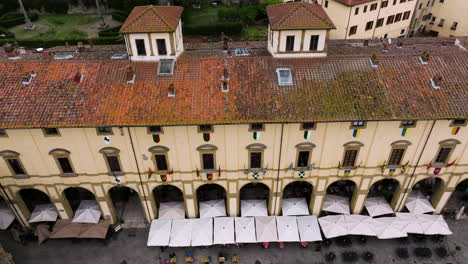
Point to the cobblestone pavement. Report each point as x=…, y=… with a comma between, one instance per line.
x=130, y=245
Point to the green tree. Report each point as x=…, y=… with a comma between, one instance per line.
x=264, y=3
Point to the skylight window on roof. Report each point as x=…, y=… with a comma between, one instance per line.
x=63, y=57
x=119, y=56
x=242, y=52
x=284, y=76
x=166, y=67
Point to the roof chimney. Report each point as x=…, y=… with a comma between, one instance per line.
x=374, y=60
x=130, y=75
x=28, y=78
x=424, y=58
x=78, y=78
x=171, y=90
x=436, y=81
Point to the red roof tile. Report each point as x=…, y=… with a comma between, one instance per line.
x=298, y=15
x=150, y=18
x=353, y=2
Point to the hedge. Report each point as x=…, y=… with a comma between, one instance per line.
x=111, y=32
x=229, y=28
x=35, y=43
x=119, y=16
x=7, y=33
x=15, y=19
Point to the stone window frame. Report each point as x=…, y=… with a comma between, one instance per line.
x=314, y=127
x=256, y=148
x=211, y=130
x=352, y=145
x=352, y=126
x=112, y=152
x=305, y=146
x=51, y=135
x=4, y=134
x=106, y=133
x=256, y=130
x=399, y=144
x=448, y=143
x=148, y=130
x=160, y=150
x=10, y=154
x=207, y=149
x=408, y=126
x=456, y=125
x=63, y=153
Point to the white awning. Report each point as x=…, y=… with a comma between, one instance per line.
x=389, y=227
x=6, y=216
x=418, y=204
x=254, y=208
x=223, y=230
x=309, y=229
x=87, y=212
x=171, y=210
x=360, y=225
x=287, y=229
x=411, y=222
x=212, y=208
x=181, y=233
x=336, y=204
x=245, y=229
x=378, y=206
x=202, y=232
x=433, y=225
x=265, y=228
x=295, y=206
x=43, y=213
x=160, y=233
x=333, y=226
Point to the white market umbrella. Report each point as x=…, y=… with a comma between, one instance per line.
x=87, y=212
x=254, y=208
x=181, y=233
x=245, y=230
x=360, y=225
x=418, y=204
x=412, y=224
x=336, y=204
x=202, y=232
x=171, y=210
x=265, y=229
x=433, y=225
x=333, y=226
x=212, y=208
x=6, y=216
x=389, y=227
x=378, y=206
x=309, y=230
x=295, y=206
x=223, y=231
x=43, y=213
x=160, y=232
x=287, y=229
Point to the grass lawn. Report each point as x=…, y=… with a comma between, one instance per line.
x=204, y=15
x=58, y=27
x=255, y=32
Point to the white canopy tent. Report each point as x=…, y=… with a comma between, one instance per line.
x=245, y=229
x=212, y=208
x=43, y=213
x=309, y=229
x=6, y=216
x=433, y=225
x=360, y=225
x=265, y=229
x=336, y=204
x=333, y=225
x=171, y=210
x=223, y=231
x=287, y=229
x=418, y=204
x=254, y=208
x=295, y=206
x=202, y=232
x=389, y=227
x=181, y=233
x=88, y=212
x=411, y=222
x=160, y=232
x=378, y=206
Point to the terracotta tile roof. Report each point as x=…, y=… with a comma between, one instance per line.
x=340, y=87
x=298, y=15
x=152, y=19
x=353, y=2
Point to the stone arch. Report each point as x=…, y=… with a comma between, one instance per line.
x=344, y=187
x=432, y=187
x=207, y=197
x=244, y=193
x=386, y=187
x=173, y=194
x=298, y=189
x=353, y=179
x=73, y=195
x=32, y=197
x=126, y=206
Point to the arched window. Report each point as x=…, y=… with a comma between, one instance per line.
x=62, y=158
x=160, y=158
x=13, y=161
x=112, y=159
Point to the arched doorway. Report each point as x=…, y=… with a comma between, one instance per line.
x=298, y=189
x=428, y=187
x=296, y=198
x=127, y=207
x=169, y=195
x=342, y=189
x=208, y=193
x=258, y=195
x=384, y=188
x=458, y=199
x=75, y=195
x=33, y=197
